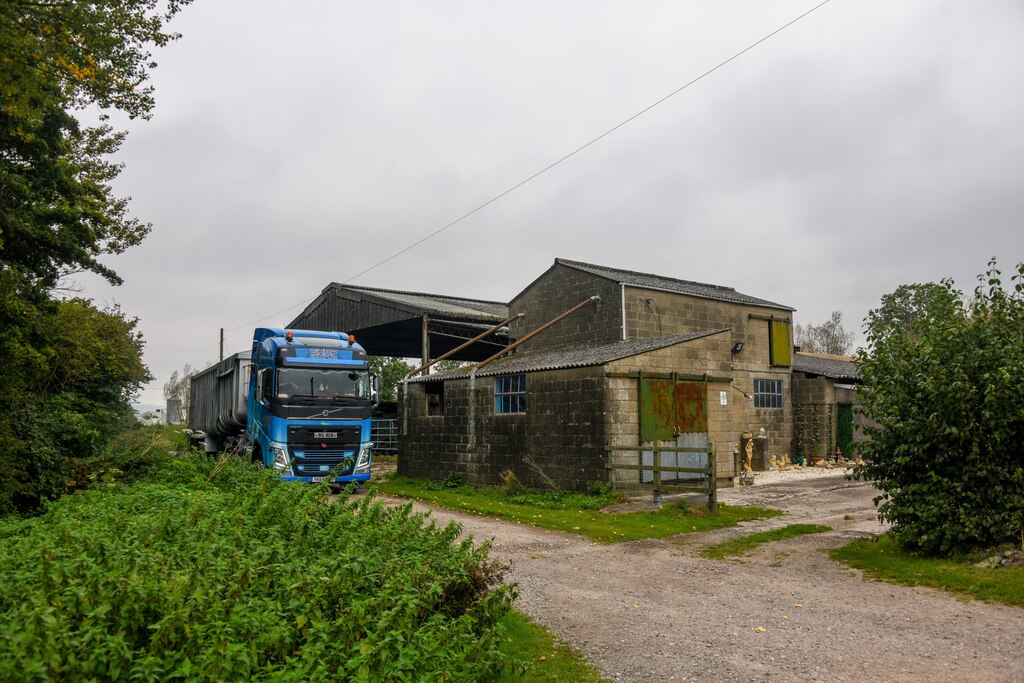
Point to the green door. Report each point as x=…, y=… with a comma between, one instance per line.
x=673, y=413
x=844, y=426
x=669, y=408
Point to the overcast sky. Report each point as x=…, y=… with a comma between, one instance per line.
x=871, y=144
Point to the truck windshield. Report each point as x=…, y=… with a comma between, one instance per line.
x=322, y=383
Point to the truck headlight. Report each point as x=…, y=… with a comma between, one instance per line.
x=365, y=456
x=281, y=463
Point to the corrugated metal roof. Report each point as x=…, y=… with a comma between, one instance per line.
x=437, y=303
x=649, y=281
x=834, y=367
x=578, y=356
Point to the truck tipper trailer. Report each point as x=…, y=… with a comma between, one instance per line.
x=299, y=403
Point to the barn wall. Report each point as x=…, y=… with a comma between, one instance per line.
x=555, y=292
x=707, y=355
x=653, y=314
x=561, y=433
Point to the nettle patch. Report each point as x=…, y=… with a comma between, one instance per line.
x=228, y=573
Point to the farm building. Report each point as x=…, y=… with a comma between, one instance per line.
x=405, y=324
x=824, y=402
x=652, y=361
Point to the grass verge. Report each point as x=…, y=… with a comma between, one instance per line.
x=882, y=560
x=744, y=544
x=574, y=513
x=546, y=659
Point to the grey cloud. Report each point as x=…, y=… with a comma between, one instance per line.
x=294, y=144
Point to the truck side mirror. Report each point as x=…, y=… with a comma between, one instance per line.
x=375, y=388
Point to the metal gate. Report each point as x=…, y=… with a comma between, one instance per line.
x=384, y=435
x=673, y=413
x=675, y=453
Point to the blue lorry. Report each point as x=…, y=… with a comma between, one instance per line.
x=298, y=403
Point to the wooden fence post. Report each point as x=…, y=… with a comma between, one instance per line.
x=656, y=478
x=712, y=479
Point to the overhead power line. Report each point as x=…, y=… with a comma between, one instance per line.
x=550, y=166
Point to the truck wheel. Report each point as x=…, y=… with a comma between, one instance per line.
x=257, y=456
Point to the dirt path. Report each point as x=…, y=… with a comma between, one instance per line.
x=655, y=611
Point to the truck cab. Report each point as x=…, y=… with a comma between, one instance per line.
x=310, y=397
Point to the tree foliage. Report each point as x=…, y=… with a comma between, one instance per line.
x=176, y=390
x=450, y=366
x=943, y=383
x=391, y=371
x=58, y=213
x=70, y=375
x=829, y=337
x=70, y=369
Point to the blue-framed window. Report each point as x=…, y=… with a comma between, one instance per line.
x=767, y=393
x=510, y=394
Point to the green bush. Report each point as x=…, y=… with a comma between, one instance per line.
x=510, y=484
x=454, y=480
x=943, y=384
x=66, y=386
x=215, y=570
x=129, y=456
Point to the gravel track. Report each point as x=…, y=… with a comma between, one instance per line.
x=653, y=610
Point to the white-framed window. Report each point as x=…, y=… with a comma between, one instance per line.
x=767, y=393
x=510, y=394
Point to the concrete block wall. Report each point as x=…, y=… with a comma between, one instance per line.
x=844, y=393
x=709, y=355
x=563, y=428
x=777, y=422
x=558, y=290
x=572, y=414
x=819, y=392
x=653, y=313
x=622, y=422
x=807, y=390
x=433, y=446
x=561, y=433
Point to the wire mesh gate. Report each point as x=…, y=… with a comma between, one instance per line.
x=384, y=435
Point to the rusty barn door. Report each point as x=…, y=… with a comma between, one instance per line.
x=673, y=414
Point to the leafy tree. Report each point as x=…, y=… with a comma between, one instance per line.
x=78, y=370
x=450, y=365
x=177, y=390
x=69, y=368
x=57, y=210
x=943, y=383
x=828, y=337
x=391, y=371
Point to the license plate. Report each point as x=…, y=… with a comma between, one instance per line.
x=325, y=435
x=317, y=480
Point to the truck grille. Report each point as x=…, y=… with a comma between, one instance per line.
x=321, y=466
x=316, y=457
x=304, y=438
